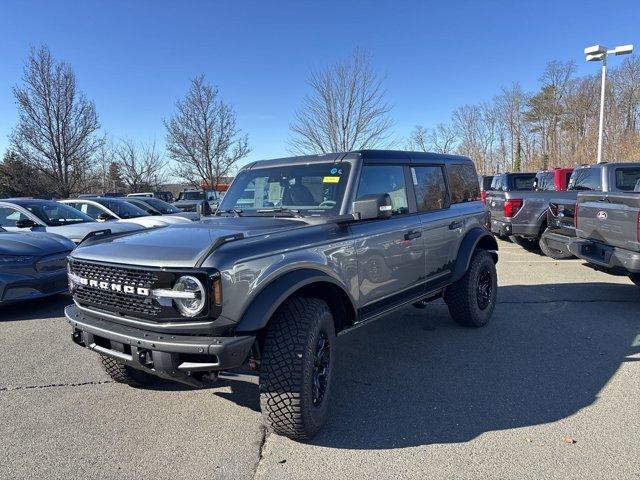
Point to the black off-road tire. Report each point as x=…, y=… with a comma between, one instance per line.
x=635, y=278
x=288, y=362
x=529, y=244
x=124, y=374
x=463, y=297
x=552, y=252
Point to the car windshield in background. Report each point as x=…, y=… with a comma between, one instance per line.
x=626, y=178
x=191, y=196
x=162, y=207
x=123, y=209
x=312, y=189
x=57, y=214
x=585, y=179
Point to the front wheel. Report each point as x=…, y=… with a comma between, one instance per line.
x=471, y=299
x=296, y=368
x=122, y=373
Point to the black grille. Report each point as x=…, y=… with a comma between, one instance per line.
x=115, y=301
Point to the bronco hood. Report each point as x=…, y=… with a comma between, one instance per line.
x=77, y=231
x=178, y=245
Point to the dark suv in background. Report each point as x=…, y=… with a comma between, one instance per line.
x=300, y=249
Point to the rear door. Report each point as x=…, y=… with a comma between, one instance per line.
x=390, y=252
x=437, y=219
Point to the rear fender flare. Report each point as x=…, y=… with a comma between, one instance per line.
x=475, y=238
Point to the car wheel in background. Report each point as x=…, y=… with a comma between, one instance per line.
x=552, y=252
x=529, y=244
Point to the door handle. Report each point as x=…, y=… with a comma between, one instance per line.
x=412, y=234
x=454, y=225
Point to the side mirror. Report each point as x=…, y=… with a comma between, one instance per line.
x=103, y=217
x=374, y=206
x=26, y=223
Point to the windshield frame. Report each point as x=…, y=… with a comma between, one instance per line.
x=327, y=171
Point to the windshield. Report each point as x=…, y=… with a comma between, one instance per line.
x=191, y=195
x=313, y=189
x=586, y=178
x=122, y=209
x=57, y=214
x=162, y=207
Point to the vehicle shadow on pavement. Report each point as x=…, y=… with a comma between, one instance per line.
x=41, y=308
x=417, y=378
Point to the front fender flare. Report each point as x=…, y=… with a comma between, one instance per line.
x=256, y=316
x=473, y=239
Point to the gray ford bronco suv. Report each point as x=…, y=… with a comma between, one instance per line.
x=299, y=250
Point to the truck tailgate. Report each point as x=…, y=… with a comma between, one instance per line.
x=495, y=204
x=610, y=218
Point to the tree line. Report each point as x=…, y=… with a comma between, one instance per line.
x=57, y=149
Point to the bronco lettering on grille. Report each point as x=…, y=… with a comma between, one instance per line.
x=114, y=287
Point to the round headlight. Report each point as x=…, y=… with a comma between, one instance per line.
x=191, y=305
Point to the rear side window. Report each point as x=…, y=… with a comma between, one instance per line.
x=522, y=182
x=545, y=181
x=585, y=179
x=463, y=183
x=431, y=191
x=626, y=178
x=385, y=179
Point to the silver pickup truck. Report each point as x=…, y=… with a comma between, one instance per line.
x=518, y=204
x=603, y=177
x=608, y=232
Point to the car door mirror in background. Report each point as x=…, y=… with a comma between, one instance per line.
x=103, y=217
x=373, y=206
x=26, y=223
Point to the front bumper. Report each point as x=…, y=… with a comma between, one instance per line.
x=19, y=287
x=615, y=260
x=185, y=358
x=557, y=241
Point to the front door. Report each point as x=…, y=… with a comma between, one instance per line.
x=390, y=252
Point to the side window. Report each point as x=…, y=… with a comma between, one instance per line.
x=461, y=183
x=431, y=191
x=9, y=217
x=385, y=179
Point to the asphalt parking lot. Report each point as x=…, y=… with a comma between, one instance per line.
x=550, y=389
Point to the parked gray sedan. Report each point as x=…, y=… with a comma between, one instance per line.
x=32, y=265
x=21, y=214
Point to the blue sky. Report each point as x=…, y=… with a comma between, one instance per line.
x=135, y=58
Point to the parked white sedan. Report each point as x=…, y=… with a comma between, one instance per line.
x=105, y=209
x=27, y=214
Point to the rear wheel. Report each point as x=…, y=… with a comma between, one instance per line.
x=635, y=278
x=529, y=244
x=552, y=252
x=124, y=374
x=471, y=299
x=296, y=368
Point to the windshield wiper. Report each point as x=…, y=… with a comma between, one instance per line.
x=295, y=213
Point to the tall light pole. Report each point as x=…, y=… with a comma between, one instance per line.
x=600, y=52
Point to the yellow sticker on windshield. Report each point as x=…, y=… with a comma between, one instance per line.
x=330, y=179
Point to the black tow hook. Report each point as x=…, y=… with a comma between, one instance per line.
x=76, y=336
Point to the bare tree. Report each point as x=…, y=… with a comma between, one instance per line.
x=141, y=167
x=344, y=111
x=441, y=139
x=202, y=136
x=56, y=131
